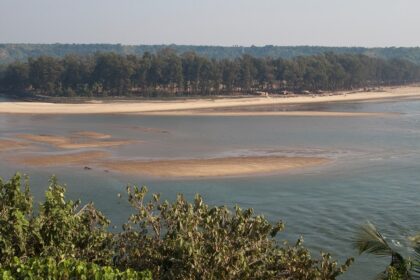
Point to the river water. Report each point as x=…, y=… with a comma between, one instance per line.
x=374, y=175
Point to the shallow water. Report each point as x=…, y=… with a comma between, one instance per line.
x=374, y=176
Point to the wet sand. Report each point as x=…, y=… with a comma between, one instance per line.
x=271, y=113
x=149, y=129
x=96, y=140
x=68, y=159
x=217, y=167
x=152, y=106
x=174, y=168
x=93, y=135
x=7, y=145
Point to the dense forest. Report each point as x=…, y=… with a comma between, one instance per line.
x=170, y=74
x=21, y=52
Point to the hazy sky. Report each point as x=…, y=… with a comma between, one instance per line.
x=213, y=22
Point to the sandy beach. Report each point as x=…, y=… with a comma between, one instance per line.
x=272, y=113
x=162, y=106
x=229, y=166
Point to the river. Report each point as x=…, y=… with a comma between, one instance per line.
x=374, y=175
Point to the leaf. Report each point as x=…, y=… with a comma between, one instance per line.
x=369, y=240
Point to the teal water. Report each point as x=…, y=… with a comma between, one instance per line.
x=374, y=174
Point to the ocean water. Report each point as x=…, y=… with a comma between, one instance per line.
x=374, y=175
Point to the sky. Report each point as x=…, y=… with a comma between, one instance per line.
x=367, y=23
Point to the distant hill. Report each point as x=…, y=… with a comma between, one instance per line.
x=13, y=52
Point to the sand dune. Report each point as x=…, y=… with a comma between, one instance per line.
x=197, y=104
x=231, y=166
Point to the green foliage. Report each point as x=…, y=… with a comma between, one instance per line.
x=49, y=268
x=45, y=74
x=178, y=240
x=15, y=213
x=60, y=229
x=370, y=240
x=20, y=52
x=16, y=76
x=195, y=241
x=63, y=229
x=167, y=73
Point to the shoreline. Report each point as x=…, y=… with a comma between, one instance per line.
x=194, y=106
x=216, y=113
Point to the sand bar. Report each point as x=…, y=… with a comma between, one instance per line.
x=231, y=166
x=148, y=106
x=149, y=129
x=81, y=158
x=93, y=135
x=7, y=145
x=73, y=142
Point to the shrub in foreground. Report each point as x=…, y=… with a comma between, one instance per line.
x=183, y=240
x=60, y=228
x=179, y=240
x=49, y=268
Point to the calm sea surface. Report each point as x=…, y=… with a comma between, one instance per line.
x=375, y=173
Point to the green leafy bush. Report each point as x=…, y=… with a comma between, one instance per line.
x=179, y=240
x=195, y=241
x=49, y=268
x=61, y=229
x=15, y=215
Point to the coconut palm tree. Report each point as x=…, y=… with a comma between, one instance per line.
x=370, y=240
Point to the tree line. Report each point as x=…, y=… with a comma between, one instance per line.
x=167, y=73
x=21, y=52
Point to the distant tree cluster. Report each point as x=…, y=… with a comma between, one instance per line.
x=167, y=73
x=21, y=52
